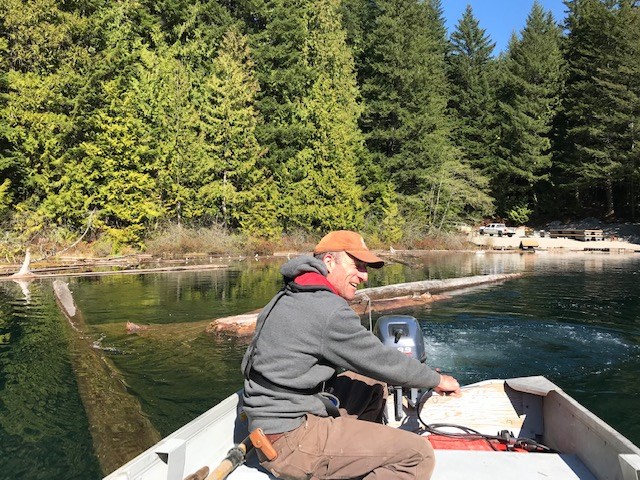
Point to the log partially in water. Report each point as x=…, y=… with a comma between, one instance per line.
x=380, y=299
x=237, y=325
x=118, y=426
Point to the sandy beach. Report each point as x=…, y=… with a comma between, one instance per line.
x=560, y=244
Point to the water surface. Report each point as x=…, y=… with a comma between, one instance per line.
x=572, y=318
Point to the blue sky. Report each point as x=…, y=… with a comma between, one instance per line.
x=499, y=17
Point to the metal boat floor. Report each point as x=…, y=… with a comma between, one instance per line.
x=463, y=465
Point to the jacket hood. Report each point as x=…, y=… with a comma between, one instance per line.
x=304, y=264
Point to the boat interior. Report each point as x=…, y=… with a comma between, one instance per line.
x=577, y=444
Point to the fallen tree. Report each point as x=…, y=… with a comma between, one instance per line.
x=378, y=299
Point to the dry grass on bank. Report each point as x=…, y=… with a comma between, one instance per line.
x=216, y=240
x=177, y=241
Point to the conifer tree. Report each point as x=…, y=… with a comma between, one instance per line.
x=529, y=94
x=235, y=189
x=110, y=170
x=43, y=63
x=320, y=179
x=601, y=106
x=164, y=102
x=284, y=76
x=472, y=98
x=406, y=123
x=308, y=102
x=10, y=173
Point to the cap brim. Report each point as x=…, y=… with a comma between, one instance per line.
x=367, y=257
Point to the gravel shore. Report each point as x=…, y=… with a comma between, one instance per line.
x=560, y=244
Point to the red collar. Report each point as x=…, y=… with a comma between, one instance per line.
x=313, y=278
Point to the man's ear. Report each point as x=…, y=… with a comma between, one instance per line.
x=329, y=259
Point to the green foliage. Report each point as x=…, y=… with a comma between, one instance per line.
x=602, y=106
x=321, y=178
x=235, y=188
x=520, y=214
x=406, y=119
x=268, y=116
x=5, y=195
x=530, y=83
x=473, y=97
x=309, y=104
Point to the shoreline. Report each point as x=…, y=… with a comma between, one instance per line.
x=558, y=245
x=146, y=263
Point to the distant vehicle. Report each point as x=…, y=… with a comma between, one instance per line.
x=499, y=229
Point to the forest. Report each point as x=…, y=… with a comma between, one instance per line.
x=266, y=117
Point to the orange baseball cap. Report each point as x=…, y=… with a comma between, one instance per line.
x=350, y=242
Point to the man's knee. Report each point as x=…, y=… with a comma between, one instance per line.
x=426, y=458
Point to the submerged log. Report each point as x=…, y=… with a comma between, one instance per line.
x=118, y=427
x=379, y=299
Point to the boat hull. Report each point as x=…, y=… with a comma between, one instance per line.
x=531, y=407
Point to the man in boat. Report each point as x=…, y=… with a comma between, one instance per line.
x=303, y=336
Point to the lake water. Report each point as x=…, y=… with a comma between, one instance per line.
x=574, y=318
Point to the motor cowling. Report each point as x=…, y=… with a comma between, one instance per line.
x=403, y=333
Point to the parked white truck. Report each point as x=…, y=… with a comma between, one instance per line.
x=499, y=229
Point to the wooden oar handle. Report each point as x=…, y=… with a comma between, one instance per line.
x=234, y=458
x=199, y=475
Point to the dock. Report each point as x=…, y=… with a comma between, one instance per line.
x=586, y=235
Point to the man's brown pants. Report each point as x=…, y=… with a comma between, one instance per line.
x=348, y=447
x=344, y=448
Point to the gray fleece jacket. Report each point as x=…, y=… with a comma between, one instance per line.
x=307, y=334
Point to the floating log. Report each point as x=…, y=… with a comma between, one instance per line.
x=380, y=299
x=383, y=305
x=237, y=325
x=86, y=265
x=118, y=427
x=431, y=286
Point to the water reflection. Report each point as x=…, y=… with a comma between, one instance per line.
x=43, y=428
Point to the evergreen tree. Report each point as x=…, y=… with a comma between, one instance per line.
x=529, y=94
x=384, y=223
x=321, y=178
x=235, y=189
x=9, y=165
x=309, y=105
x=284, y=75
x=407, y=127
x=164, y=103
x=472, y=98
x=43, y=60
x=601, y=105
x=110, y=171
x=629, y=201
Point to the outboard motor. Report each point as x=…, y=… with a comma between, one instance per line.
x=403, y=333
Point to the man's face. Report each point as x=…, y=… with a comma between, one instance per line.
x=345, y=273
